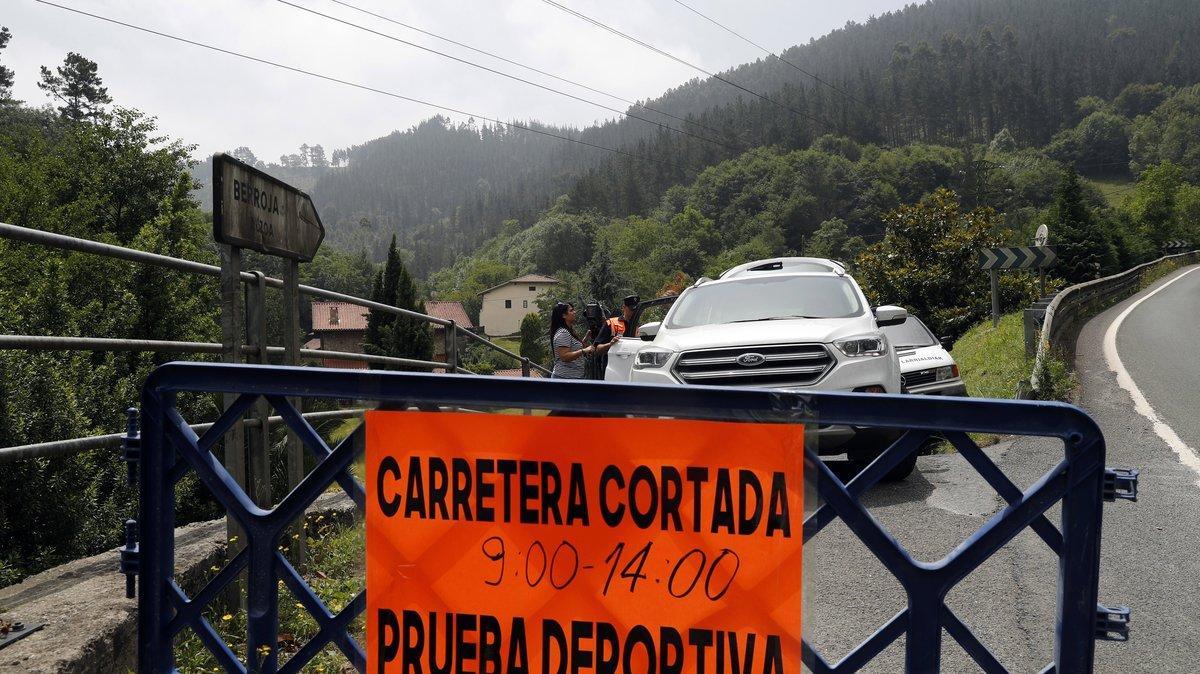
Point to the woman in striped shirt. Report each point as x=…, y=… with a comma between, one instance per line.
x=567, y=348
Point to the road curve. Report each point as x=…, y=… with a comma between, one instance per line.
x=1150, y=549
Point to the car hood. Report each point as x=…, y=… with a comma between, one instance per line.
x=923, y=358
x=787, y=331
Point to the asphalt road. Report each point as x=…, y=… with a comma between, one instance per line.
x=1150, y=549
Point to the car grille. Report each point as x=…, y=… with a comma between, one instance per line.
x=781, y=365
x=918, y=378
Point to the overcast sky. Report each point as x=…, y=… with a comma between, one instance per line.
x=219, y=102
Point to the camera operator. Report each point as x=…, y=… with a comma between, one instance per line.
x=611, y=330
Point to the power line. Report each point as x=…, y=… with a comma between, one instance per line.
x=525, y=66
x=759, y=46
x=501, y=73
x=363, y=87
x=693, y=66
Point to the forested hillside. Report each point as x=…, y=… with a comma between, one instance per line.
x=947, y=71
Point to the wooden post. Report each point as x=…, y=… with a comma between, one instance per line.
x=231, y=339
x=995, y=298
x=259, y=468
x=291, y=356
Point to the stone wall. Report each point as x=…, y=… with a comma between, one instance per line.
x=90, y=625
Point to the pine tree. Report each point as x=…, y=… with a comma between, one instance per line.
x=6, y=74
x=78, y=86
x=392, y=335
x=1083, y=249
x=602, y=279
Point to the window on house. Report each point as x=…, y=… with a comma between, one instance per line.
x=524, y=304
x=333, y=315
x=533, y=289
x=508, y=304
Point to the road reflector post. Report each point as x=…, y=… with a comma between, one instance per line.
x=1021, y=257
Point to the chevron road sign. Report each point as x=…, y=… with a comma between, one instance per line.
x=1020, y=257
x=1175, y=244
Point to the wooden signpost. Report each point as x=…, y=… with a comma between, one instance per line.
x=254, y=210
x=1020, y=257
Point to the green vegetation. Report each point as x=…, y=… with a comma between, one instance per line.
x=961, y=116
x=1112, y=189
x=336, y=563
x=992, y=359
x=927, y=264
x=534, y=344
x=949, y=72
x=390, y=334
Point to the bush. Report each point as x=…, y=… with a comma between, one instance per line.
x=533, y=339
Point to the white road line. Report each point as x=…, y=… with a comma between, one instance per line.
x=1187, y=455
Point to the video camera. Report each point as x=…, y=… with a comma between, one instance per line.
x=594, y=314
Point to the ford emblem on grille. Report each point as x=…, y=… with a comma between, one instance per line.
x=751, y=359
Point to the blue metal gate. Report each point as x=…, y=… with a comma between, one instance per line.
x=169, y=448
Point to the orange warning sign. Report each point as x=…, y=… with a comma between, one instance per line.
x=555, y=545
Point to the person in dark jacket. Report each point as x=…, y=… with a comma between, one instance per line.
x=613, y=329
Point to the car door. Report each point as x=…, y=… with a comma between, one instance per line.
x=623, y=353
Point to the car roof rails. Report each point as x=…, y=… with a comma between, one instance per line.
x=701, y=281
x=787, y=264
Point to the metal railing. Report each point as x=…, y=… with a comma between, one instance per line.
x=1073, y=306
x=454, y=333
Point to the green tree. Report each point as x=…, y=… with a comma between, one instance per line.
x=77, y=85
x=6, y=74
x=833, y=241
x=602, y=281
x=533, y=339
x=392, y=335
x=927, y=263
x=1003, y=143
x=1083, y=249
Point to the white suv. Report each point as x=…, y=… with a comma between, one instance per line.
x=793, y=323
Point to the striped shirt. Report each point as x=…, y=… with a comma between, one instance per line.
x=562, y=369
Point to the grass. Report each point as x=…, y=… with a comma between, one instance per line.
x=336, y=557
x=509, y=343
x=992, y=360
x=1113, y=189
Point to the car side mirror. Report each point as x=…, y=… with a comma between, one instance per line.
x=648, y=331
x=890, y=315
x=947, y=343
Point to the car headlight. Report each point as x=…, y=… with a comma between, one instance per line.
x=947, y=372
x=651, y=358
x=863, y=347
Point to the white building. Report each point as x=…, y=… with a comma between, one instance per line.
x=506, y=304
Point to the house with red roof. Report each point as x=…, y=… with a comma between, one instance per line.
x=342, y=326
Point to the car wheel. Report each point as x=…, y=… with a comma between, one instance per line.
x=903, y=469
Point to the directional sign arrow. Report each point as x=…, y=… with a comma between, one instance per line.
x=253, y=209
x=987, y=259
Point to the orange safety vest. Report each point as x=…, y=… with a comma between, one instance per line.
x=617, y=325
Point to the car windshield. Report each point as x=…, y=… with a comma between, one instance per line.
x=910, y=333
x=767, y=298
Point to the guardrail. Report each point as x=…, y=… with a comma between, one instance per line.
x=454, y=333
x=1074, y=305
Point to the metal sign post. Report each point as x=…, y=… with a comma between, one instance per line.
x=1041, y=238
x=995, y=259
x=252, y=209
